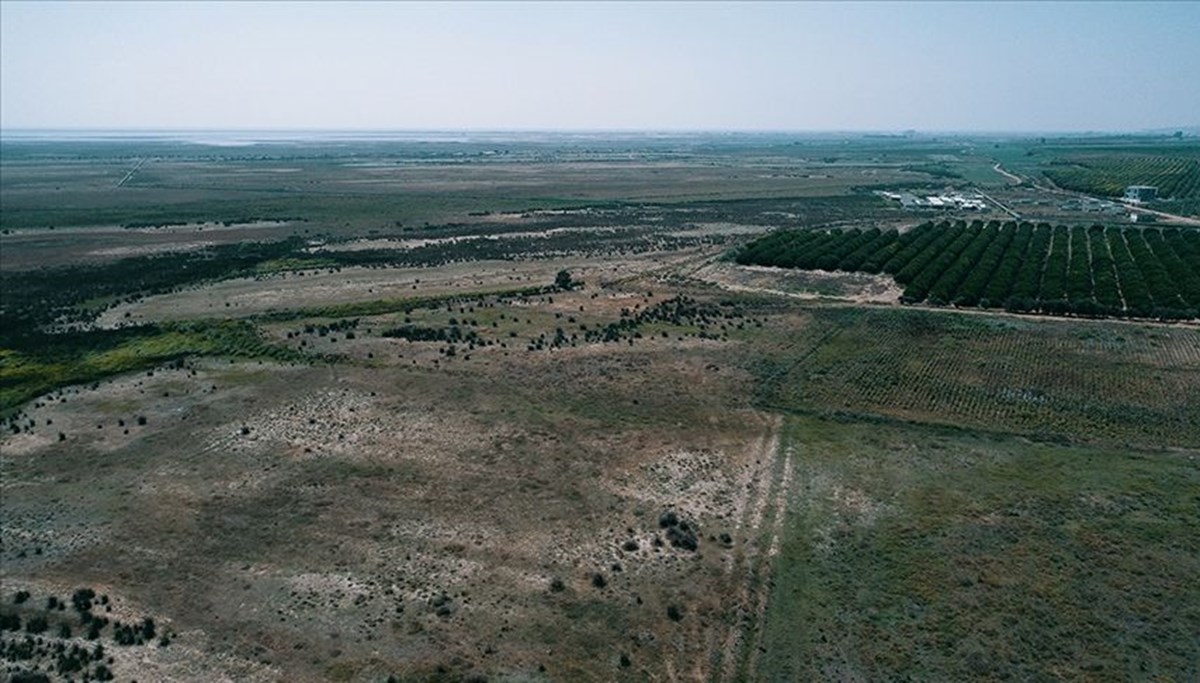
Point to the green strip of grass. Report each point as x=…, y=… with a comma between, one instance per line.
x=290, y=263
x=80, y=357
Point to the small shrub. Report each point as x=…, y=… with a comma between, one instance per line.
x=82, y=599
x=36, y=625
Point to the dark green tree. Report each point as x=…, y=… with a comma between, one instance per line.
x=563, y=280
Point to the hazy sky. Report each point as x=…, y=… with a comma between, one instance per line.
x=937, y=66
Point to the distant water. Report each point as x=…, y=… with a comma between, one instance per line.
x=241, y=138
x=230, y=138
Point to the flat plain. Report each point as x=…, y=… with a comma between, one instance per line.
x=510, y=409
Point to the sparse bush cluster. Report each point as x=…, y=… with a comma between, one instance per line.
x=322, y=330
x=37, y=641
x=468, y=248
x=680, y=533
x=713, y=320
x=238, y=220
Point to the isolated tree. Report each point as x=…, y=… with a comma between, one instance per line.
x=563, y=280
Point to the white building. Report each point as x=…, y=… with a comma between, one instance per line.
x=1136, y=194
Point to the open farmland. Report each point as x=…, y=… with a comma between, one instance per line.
x=1105, y=167
x=946, y=555
x=563, y=416
x=1112, y=383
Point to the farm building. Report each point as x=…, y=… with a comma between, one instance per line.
x=944, y=202
x=1141, y=193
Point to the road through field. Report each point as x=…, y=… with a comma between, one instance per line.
x=1175, y=217
x=132, y=171
x=1015, y=178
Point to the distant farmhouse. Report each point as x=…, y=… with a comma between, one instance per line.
x=1136, y=194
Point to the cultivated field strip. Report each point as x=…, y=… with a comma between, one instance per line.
x=903, y=541
x=1114, y=383
x=1058, y=270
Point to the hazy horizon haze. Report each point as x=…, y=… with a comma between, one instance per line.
x=671, y=67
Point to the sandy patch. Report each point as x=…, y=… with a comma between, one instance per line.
x=146, y=249
x=802, y=284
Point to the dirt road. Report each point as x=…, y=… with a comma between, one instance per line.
x=1015, y=178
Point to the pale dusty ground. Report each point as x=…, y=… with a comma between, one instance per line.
x=402, y=244
x=722, y=229
x=419, y=489
x=855, y=287
x=250, y=296
x=125, y=252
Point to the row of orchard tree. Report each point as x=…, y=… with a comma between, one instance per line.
x=1092, y=271
x=1175, y=177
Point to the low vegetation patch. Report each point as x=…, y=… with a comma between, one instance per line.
x=934, y=555
x=78, y=357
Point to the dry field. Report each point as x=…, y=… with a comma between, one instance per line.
x=521, y=514
x=376, y=517
x=242, y=297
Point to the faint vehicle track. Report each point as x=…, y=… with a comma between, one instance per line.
x=132, y=171
x=760, y=514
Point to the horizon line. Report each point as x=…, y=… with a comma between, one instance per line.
x=568, y=130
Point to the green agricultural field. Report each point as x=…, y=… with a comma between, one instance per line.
x=1094, y=271
x=1108, y=383
x=1175, y=177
